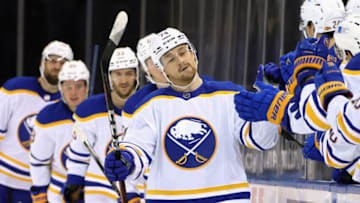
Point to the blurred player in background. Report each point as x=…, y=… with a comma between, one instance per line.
x=21, y=100
x=92, y=118
x=53, y=133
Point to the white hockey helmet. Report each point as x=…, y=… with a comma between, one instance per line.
x=324, y=14
x=124, y=58
x=56, y=48
x=347, y=35
x=164, y=42
x=74, y=70
x=143, y=50
x=353, y=7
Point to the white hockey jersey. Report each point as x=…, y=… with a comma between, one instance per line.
x=21, y=99
x=92, y=118
x=53, y=133
x=340, y=146
x=191, y=141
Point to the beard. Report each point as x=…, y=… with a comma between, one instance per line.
x=52, y=80
x=124, y=94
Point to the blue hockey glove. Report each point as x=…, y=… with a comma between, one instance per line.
x=273, y=73
x=73, y=189
x=329, y=82
x=287, y=66
x=311, y=150
x=115, y=169
x=39, y=194
x=310, y=55
x=268, y=103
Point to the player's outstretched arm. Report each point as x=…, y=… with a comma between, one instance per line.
x=267, y=104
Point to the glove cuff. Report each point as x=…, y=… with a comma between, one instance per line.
x=277, y=108
x=327, y=90
x=39, y=194
x=309, y=61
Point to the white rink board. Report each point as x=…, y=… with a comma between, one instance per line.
x=302, y=191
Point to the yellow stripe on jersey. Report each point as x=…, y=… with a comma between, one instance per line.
x=218, y=92
x=173, y=97
x=141, y=187
x=100, y=193
x=16, y=177
x=343, y=128
x=351, y=72
x=2, y=137
x=98, y=115
x=90, y=175
x=145, y=104
x=331, y=163
x=314, y=118
x=19, y=91
x=14, y=161
x=316, y=142
x=197, y=191
x=54, y=190
x=69, y=121
x=352, y=172
x=246, y=137
x=58, y=175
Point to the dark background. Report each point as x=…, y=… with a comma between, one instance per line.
x=232, y=36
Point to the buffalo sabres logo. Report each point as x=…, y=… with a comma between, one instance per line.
x=25, y=130
x=190, y=142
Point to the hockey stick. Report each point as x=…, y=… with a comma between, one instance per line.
x=116, y=33
x=93, y=153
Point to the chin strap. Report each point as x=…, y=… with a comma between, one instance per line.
x=161, y=84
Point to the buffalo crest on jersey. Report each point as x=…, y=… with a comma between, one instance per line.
x=190, y=142
x=25, y=131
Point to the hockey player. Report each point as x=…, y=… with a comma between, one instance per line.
x=189, y=134
x=92, y=118
x=340, y=145
x=53, y=130
x=319, y=18
x=21, y=100
x=157, y=80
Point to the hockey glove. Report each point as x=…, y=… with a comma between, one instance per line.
x=311, y=148
x=329, y=82
x=39, y=194
x=310, y=55
x=268, y=104
x=115, y=169
x=73, y=189
x=272, y=73
x=286, y=65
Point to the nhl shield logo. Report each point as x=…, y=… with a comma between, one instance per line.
x=190, y=142
x=25, y=130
